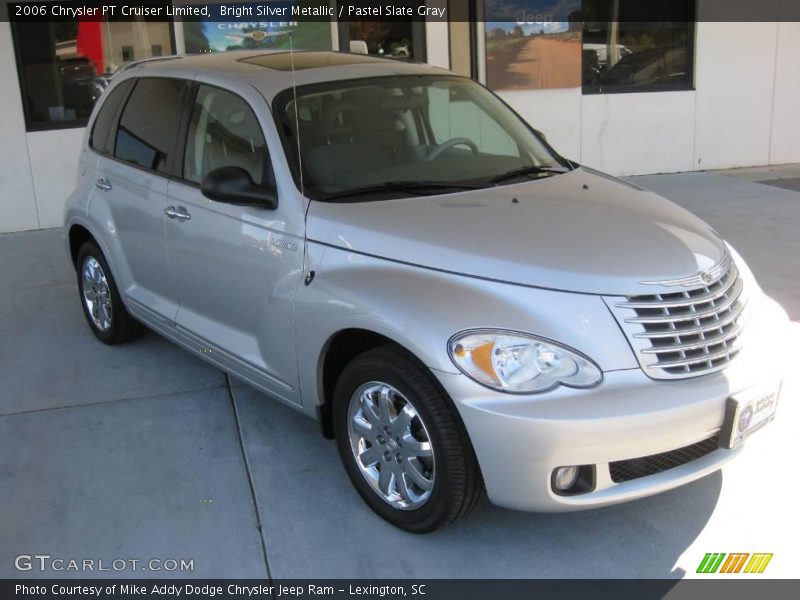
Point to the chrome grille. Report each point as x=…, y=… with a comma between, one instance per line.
x=686, y=333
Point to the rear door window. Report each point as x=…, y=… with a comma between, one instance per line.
x=149, y=123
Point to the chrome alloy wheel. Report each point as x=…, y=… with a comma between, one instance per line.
x=391, y=445
x=96, y=294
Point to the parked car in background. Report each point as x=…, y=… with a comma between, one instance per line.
x=80, y=85
x=391, y=250
x=659, y=66
x=603, y=52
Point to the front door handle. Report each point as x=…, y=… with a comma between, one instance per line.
x=103, y=184
x=179, y=213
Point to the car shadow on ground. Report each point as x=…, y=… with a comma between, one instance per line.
x=315, y=524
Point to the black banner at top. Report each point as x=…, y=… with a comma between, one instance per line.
x=523, y=12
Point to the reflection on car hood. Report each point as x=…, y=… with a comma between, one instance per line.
x=582, y=231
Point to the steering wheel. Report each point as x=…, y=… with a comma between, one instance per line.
x=457, y=141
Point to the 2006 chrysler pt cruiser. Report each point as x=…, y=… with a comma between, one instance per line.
x=390, y=249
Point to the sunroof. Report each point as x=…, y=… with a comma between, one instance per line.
x=282, y=61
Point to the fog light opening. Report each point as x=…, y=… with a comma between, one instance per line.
x=572, y=480
x=565, y=478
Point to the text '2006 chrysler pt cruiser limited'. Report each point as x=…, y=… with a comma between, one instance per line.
x=390, y=249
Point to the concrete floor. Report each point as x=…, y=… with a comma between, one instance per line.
x=143, y=451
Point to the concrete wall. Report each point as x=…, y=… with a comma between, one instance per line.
x=742, y=113
x=785, y=130
x=437, y=39
x=54, y=166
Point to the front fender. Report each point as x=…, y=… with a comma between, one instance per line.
x=420, y=309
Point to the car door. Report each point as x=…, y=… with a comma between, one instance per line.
x=131, y=196
x=103, y=133
x=235, y=268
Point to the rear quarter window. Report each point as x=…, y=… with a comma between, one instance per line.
x=101, y=138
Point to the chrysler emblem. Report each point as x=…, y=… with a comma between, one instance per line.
x=715, y=273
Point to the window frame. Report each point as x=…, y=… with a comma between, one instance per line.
x=183, y=135
x=31, y=127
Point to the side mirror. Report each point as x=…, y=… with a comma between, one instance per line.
x=233, y=185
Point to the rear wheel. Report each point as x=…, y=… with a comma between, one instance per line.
x=403, y=444
x=102, y=304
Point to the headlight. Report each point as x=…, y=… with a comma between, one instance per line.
x=519, y=363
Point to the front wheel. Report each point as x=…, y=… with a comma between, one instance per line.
x=403, y=444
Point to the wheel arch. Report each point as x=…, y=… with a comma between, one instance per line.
x=341, y=348
x=78, y=236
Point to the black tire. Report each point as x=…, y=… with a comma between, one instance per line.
x=123, y=327
x=458, y=485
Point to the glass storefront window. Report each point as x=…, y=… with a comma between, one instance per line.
x=215, y=36
x=389, y=39
x=532, y=44
x=65, y=66
x=633, y=46
x=205, y=36
x=603, y=46
x=400, y=38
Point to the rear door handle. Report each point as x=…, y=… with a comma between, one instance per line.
x=103, y=184
x=179, y=213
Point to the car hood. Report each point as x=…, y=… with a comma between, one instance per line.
x=582, y=231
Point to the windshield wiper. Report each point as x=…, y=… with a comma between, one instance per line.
x=532, y=170
x=421, y=188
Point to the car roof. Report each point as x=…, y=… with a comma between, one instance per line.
x=271, y=71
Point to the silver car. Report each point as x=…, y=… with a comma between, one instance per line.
x=391, y=250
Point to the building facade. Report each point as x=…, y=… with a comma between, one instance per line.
x=622, y=97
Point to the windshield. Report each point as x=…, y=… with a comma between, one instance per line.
x=390, y=137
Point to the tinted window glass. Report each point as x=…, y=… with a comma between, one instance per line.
x=101, y=140
x=401, y=38
x=447, y=132
x=647, y=48
x=223, y=132
x=146, y=134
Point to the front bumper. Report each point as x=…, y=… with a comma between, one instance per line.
x=520, y=440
